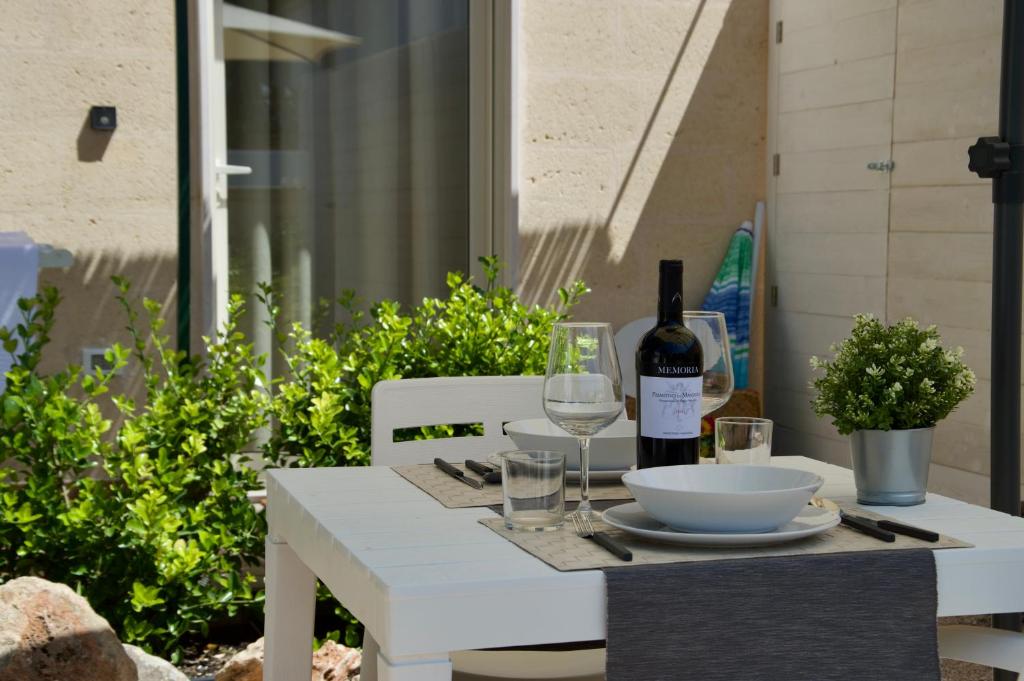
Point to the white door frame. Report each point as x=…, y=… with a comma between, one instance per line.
x=493, y=191
x=211, y=186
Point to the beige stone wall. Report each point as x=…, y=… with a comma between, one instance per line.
x=916, y=81
x=642, y=137
x=108, y=198
x=940, y=223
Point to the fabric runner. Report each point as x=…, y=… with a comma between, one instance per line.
x=833, y=617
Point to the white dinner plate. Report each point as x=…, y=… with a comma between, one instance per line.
x=597, y=476
x=632, y=518
x=574, y=475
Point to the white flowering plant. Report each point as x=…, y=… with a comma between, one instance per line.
x=894, y=377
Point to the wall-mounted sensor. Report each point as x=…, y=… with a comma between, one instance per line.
x=103, y=118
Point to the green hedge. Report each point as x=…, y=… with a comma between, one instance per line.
x=150, y=521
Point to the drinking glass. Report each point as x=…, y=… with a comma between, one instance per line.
x=743, y=439
x=533, y=489
x=711, y=331
x=583, y=387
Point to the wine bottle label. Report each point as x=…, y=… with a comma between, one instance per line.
x=670, y=407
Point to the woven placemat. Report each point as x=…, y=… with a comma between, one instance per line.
x=563, y=550
x=455, y=494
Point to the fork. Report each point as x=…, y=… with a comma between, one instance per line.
x=585, y=529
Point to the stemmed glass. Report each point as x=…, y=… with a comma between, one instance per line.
x=583, y=388
x=711, y=331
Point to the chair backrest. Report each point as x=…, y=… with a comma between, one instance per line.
x=415, y=402
x=626, y=339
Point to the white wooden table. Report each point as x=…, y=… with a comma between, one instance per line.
x=426, y=580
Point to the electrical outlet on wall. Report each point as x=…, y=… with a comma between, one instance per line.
x=92, y=359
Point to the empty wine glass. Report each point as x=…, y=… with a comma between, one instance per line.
x=583, y=387
x=711, y=331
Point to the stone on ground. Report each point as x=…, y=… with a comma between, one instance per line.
x=332, y=662
x=151, y=667
x=49, y=633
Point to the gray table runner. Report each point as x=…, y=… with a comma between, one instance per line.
x=832, y=617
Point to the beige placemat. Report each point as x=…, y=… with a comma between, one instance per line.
x=563, y=550
x=455, y=494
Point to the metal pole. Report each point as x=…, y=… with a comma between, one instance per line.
x=1007, y=253
x=184, y=174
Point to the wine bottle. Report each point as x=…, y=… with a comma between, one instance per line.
x=669, y=370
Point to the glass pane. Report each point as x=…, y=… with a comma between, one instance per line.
x=358, y=137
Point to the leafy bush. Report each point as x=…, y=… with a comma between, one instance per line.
x=322, y=411
x=152, y=526
x=150, y=521
x=890, y=378
x=53, y=507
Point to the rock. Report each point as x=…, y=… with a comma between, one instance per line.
x=153, y=668
x=245, y=666
x=332, y=662
x=49, y=633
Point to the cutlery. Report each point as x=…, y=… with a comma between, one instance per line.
x=908, y=530
x=488, y=473
x=866, y=526
x=585, y=529
x=457, y=474
x=886, y=530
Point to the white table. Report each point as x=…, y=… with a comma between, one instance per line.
x=426, y=580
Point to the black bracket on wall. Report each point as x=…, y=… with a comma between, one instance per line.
x=103, y=118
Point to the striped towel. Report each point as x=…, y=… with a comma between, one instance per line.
x=730, y=295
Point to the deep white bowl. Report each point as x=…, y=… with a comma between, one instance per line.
x=614, y=448
x=722, y=498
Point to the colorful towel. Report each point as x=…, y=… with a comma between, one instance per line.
x=730, y=294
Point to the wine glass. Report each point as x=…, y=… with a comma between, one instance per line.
x=583, y=387
x=711, y=331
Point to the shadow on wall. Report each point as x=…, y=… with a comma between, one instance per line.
x=89, y=315
x=710, y=179
x=92, y=144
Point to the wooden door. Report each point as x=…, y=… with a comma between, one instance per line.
x=830, y=115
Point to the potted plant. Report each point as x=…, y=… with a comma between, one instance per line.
x=887, y=387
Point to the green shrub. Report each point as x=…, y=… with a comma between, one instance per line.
x=322, y=411
x=890, y=378
x=53, y=507
x=152, y=526
x=151, y=523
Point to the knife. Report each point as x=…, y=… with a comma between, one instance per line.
x=457, y=474
x=488, y=473
x=866, y=526
x=909, y=530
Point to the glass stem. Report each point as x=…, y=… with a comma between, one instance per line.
x=584, y=506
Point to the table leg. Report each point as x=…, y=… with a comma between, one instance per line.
x=288, y=615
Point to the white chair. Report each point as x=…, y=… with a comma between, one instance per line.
x=981, y=645
x=414, y=402
x=626, y=339
x=492, y=401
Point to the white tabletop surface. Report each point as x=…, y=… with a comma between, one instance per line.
x=424, y=578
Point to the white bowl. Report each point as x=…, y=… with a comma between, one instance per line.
x=614, y=448
x=722, y=498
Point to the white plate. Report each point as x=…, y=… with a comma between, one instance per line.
x=574, y=475
x=632, y=518
x=597, y=476
x=714, y=499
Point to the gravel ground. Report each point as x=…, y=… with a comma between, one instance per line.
x=953, y=670
x=202, y=662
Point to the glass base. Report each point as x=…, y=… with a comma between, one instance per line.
x=533, y=521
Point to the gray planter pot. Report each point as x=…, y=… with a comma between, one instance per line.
x=890, y=467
